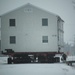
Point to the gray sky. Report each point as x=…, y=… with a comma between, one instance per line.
x=64, y=8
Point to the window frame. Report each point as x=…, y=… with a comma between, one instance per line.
x=12, y=39
x=12, y=21
x=44, y=21
x=44, y=39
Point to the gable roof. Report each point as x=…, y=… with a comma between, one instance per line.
x=28, y=4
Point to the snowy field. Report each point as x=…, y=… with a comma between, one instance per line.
x=35, y=69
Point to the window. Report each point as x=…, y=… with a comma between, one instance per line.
x=45, y=39
x=45, y=22
x=12, y=39
x=12, y=22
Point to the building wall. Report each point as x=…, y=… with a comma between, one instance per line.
x=60, y=34
x=29, y=30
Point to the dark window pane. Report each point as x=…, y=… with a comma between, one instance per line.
x=44, y=22
x=12, y=22
x=45, y=39
x=12, y=39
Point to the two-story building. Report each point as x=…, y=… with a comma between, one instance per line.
x=31, y=29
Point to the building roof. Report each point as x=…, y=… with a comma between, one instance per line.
x=28, y=4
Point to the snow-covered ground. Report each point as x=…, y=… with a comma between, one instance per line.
x=35, y=69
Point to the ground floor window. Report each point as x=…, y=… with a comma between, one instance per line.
x=12, y=39
x=45, y=39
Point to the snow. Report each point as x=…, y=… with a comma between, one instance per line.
x=71, y=58
x=35, y=69
x=3, y=59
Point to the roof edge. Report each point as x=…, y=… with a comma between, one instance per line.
x=33, y=6
x=14, y=9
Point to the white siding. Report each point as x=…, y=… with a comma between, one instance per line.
x=29, y=30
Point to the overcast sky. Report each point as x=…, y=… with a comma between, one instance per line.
x=64, y=8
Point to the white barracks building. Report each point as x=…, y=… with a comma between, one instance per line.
x=31, y=29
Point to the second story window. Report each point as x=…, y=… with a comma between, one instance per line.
x=45, y=22
x=11, y=22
